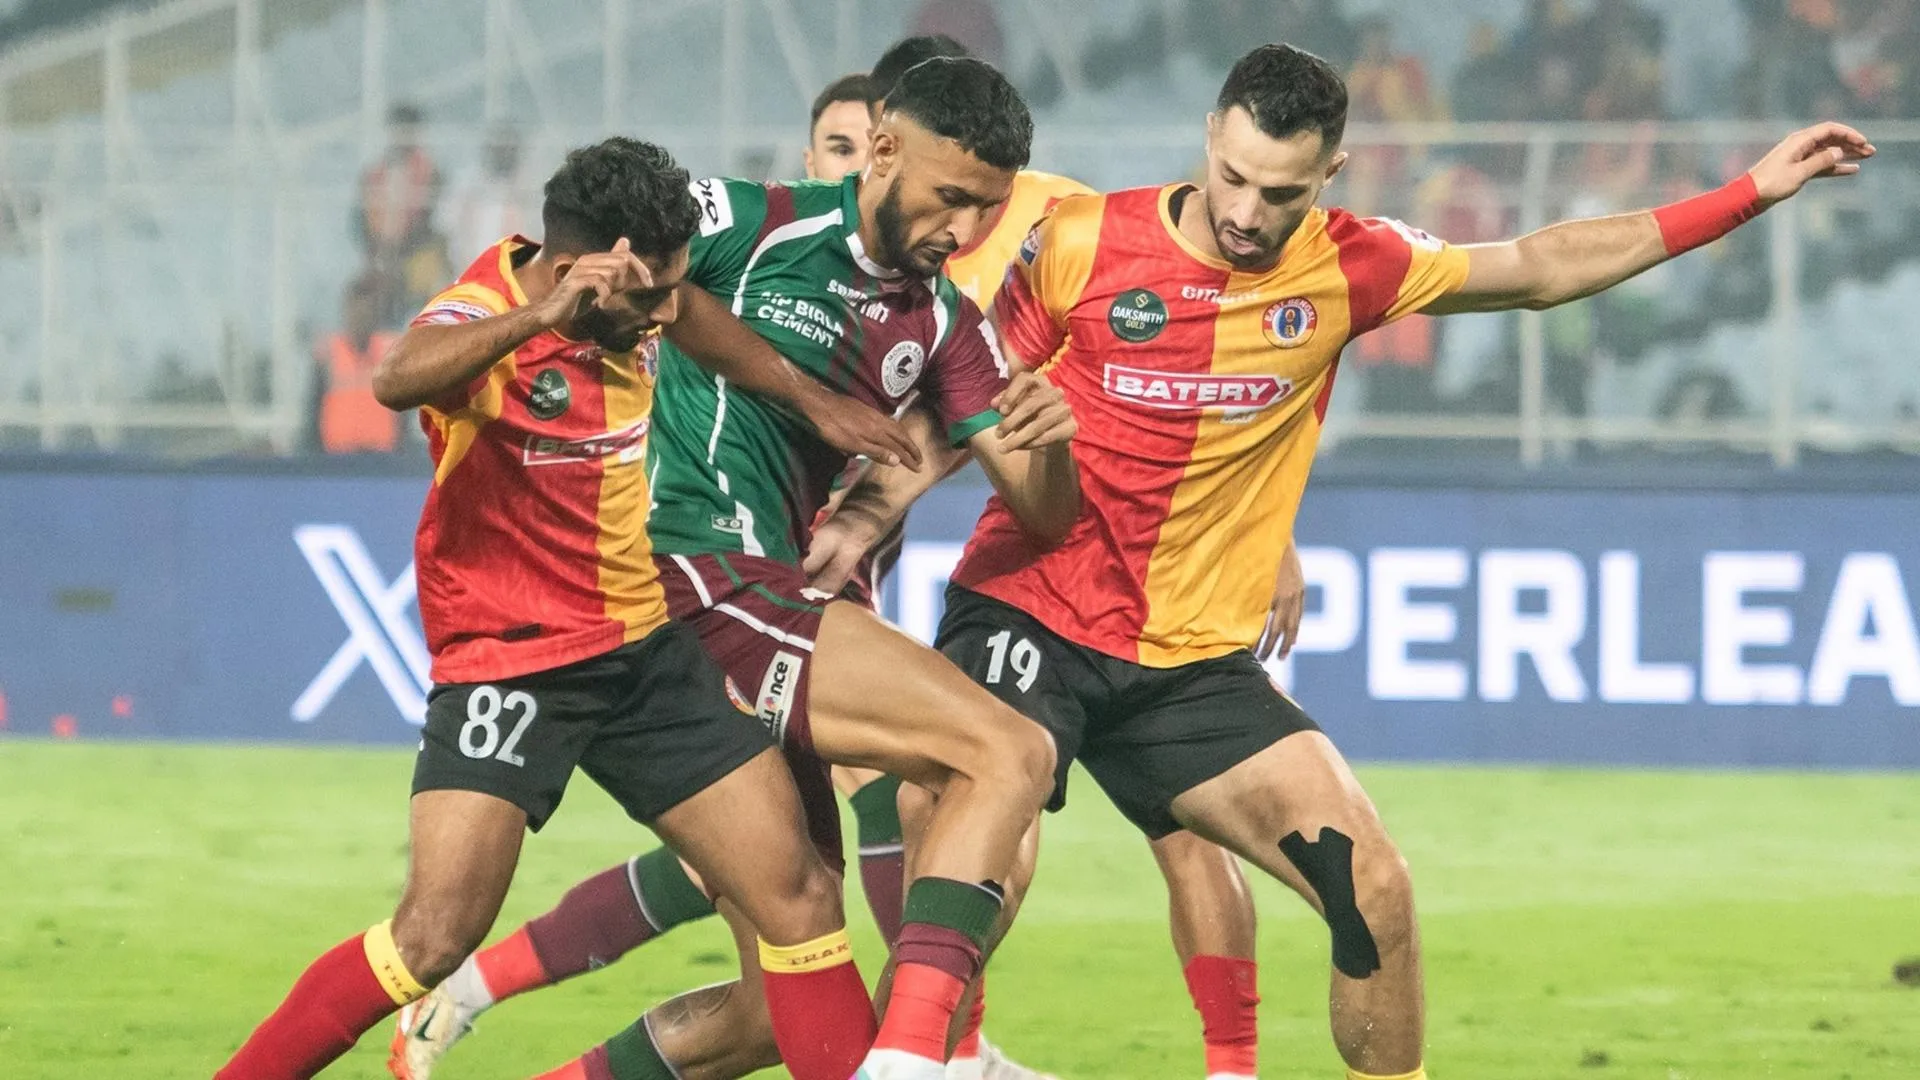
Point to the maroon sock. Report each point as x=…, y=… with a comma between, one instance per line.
x=883, y=878
x=335, y=1001
x=596, y=923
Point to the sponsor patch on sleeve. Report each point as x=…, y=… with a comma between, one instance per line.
x=451, y=311
x=716, y=208
x=1030, y=247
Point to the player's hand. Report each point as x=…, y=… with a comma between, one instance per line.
x=1033, y=413
x=839, y=543
x=1827, y=149
x=593, y=281
x=858, y=429
x=1284, y=613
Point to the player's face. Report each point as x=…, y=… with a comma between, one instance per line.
x=1260, y=188
x=618, y=324
x=840, y=141
x=937, y=197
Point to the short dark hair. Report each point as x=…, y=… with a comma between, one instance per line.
x=907, y=53
x=970, y=102
x=855, y=87
x=615, y=188
x=1287, y=91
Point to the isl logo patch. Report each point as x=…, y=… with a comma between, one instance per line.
x=550, y=395
x=1289, y=324
x=1137, y=315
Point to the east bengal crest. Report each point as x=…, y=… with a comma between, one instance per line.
x=1289, y=324
x=900, y=369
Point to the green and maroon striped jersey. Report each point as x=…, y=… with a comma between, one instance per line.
x=736, y=473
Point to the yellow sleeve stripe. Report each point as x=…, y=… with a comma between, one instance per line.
x=817, y=955
x=383, y=956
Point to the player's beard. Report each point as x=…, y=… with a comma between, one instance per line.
x=894, y=233
x=598, y=327
x=1260, y=260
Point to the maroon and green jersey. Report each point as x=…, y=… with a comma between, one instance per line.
x=736, y=473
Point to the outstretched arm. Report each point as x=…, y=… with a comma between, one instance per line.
x=1575, y=259
x=717, y=340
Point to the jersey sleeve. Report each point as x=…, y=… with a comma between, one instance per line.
x=967, y=372
x=1392, y=269
x=731, y=214
x=463, y=301
x=1046, y=279
x=1435, y=269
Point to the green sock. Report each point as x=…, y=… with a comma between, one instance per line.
x=876, y=807
x=631, y=1055
x=667, y=895
x=969, y=909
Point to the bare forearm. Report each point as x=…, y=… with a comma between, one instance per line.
x=1576, y=259
x=430, y=362
x=1043, y=493
x=717, y=340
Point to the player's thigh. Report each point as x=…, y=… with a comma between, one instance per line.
x=848, y=780
x=1163, y=732
x=758, y=620
x=882, y=700
x=683, y=758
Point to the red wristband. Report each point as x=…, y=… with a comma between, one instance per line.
x=1689, y=223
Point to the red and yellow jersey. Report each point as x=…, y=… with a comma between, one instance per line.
x=979, y=268
x=1199, y=390
x=532, y=550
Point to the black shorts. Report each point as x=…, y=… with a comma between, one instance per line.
x=651, y=722
x=1146, y=734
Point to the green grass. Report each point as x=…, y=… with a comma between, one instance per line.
x=156, y=900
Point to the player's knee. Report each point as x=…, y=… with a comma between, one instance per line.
x=1383, y=885
x=433, y=943
x=1027, y=761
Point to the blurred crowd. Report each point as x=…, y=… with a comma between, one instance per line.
x=1612, y=61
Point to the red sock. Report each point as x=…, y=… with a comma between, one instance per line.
x=920, y=1012
x=822, y=1017
x=1225, y=992
x=352, y=987
x=511, y=966
x=969, y=1044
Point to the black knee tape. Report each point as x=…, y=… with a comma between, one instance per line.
x=1327, y=864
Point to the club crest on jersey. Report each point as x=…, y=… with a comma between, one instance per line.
x=739, y=699
x=550, y=394
x=649, y=355
x=900, y=369
x=1137, y=315
x=1289, y=323
x=1030, y=247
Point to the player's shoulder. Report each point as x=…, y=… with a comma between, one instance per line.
x=486, y=287
x=1049, y=186
x=1351, y=230
x=726, y=202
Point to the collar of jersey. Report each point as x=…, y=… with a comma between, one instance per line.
x=1165, y=204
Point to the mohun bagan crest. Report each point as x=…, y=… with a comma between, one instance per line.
x=901, y=367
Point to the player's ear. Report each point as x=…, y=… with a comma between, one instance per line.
x=562, y=265
x=884, y=154
x=1335, y=164
x=806, y=157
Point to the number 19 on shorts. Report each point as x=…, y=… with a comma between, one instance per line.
x=480, y=735
x=1022, y=655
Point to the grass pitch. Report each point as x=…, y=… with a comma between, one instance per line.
x=157, y=900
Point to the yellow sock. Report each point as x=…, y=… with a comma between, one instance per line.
x=1417, y=1074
